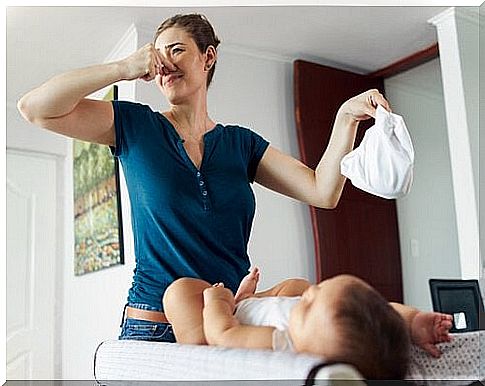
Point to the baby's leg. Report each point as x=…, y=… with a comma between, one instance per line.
x=248, y=285
x=183, y=303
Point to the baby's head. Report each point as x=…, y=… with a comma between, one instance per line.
x=344, y=319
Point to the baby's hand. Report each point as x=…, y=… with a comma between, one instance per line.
x=429, y=328
x=218, y=292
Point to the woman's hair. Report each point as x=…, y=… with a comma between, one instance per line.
x=199, y=28
x=373, y=337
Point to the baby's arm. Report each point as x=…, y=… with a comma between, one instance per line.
x=221, y=327
x=407, y=313
x=426, y=328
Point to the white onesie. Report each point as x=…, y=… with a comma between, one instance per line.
x=273, y=311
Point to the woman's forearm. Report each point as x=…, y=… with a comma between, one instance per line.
x=329, y=180
x=60, y=94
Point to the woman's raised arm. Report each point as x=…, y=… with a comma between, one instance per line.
x=60, y=104
x=323, y=186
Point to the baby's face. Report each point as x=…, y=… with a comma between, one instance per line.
x=311, y=325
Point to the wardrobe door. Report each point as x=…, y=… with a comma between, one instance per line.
x=360, y=236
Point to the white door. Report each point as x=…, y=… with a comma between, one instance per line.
x=31, y=268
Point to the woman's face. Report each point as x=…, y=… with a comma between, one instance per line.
x=186, y=75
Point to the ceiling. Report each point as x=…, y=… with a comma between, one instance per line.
x=43, y=41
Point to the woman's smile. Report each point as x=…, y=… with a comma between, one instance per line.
x=169, y=79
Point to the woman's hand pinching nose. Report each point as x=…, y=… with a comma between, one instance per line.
x=160, y=69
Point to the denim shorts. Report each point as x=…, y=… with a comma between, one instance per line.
x=136, y=329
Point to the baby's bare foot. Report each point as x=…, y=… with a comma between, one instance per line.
x=248, y=285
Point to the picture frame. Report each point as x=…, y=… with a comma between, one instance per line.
x=98, y=225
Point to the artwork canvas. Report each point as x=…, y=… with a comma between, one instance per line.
x=98, y=231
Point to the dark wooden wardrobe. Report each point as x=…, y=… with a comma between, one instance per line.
x=360, y=236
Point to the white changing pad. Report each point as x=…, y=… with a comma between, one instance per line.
x=462, y=361
x=148, y=361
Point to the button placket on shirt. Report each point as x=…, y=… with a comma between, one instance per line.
x=200, y=178
x=203, y=190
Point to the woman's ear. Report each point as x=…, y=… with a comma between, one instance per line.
x=210, y=57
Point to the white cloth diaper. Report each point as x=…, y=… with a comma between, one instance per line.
x=383, y=163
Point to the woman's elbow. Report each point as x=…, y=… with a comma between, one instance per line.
x=325, y=194
x=24, y=106
x=33, y=109
x=327, y=203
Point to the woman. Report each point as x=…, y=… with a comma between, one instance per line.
x=188, y=178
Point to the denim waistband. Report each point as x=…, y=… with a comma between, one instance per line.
x=141, y=306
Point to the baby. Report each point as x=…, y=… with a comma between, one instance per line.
x=342, y=319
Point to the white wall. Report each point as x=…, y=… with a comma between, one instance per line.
x=440, y=103
x=457, y=30
x=467, y=33
x=482, y=147
x=427, y=215
x=256, y=91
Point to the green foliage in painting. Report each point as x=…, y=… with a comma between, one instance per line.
x=97, y=226
x=92, y=164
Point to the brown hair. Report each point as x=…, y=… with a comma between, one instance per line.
x=199, y=28
x=373, y=337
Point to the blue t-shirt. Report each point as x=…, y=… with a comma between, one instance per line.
x=186, y=222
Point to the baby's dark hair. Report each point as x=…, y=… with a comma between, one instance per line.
x=201, y=30
x=373, y=337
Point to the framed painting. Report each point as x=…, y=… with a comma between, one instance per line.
x=98, y=227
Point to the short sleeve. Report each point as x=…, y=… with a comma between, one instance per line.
x=282, y=340
x=128, y=121
x=257, y=145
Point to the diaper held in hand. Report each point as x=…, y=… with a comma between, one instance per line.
x=383, y=163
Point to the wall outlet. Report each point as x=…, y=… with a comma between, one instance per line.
x=414, y=248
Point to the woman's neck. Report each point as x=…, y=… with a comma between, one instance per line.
x=191, y=120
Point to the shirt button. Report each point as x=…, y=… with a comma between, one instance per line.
x=201, y=183
x=204, y=193
x=198, y=174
